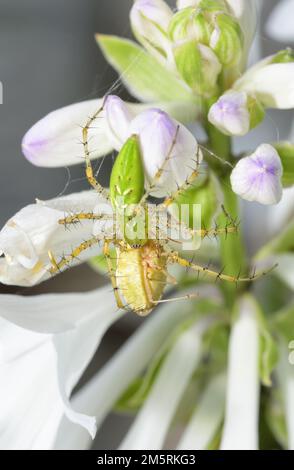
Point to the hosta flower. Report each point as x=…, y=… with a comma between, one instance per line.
x=55, y=140
x=268, y=84
x=28, y=236
x=235, y=113
x=258, y=177
x=280, y=24
x=47, y=342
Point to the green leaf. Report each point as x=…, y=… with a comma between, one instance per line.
x=283, y=322
x=146, y=78
x=268, y=349
x=286, y=152
x=275, y=417
x=283, y=243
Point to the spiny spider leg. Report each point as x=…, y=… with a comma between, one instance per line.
x=158, y=174
x=89, y=169
x=173, y=257
x=187, y=183
x=65, y=261
x=74, y=218
x=112, y=275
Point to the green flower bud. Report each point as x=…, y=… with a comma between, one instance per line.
x=198, y=66
x=227, y=40
x=190, y=23
x=283, y=57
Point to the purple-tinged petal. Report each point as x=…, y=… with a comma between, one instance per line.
x=166, y=144
x=258, y=177
x=56, y=139
x=118, y=117
x=230, y=113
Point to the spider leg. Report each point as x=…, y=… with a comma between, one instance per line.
x=173, y=257
x=66, y=260
x=111, y=273
x=76, y=218
x=89, y=169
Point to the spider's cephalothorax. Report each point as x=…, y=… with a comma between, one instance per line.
x=139, y=269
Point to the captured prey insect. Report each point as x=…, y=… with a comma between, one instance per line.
x=144, y=246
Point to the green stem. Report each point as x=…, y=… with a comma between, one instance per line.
x=231, y=247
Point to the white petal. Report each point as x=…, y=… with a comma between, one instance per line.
x=242, y=403
x=118, y=117
x=99, y=395
x=258, y=177
x=27, y=237
x=150, y=20
x=207, y=417
x=186, y=3
x=280, y=22
x=230, y=113
x=165, y=141
x=151, y=425
x=285, y=374
x=39, y=371
x=272, y=84
x=56, y=139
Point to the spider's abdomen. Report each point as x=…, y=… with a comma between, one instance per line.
x=141, y=276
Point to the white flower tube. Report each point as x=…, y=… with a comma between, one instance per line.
x=285, y=373
x=242, y=400
x=272, y=83
x=44, y=349
x=207, y=417
x=258, y=177
x=28, y=236
x=151, y=425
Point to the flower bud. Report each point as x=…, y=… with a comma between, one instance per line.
x=198, y=66
x=190, y=23
x=283, y=57
x=149, y=21
x=227, y=40
x=235, y=113
x=258, y=177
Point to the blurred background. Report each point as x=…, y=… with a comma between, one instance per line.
x=49, y=59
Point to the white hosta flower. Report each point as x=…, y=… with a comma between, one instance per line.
x=286, y=381
x=162, y=139
x=271, y=81
x=236, y=113
x=242, y=400
x=46, y=342
x=102, y=392
x=207, y=417
x=230, y=113
x=55, y=140
x=28, y=236
x=258, y=177
x=150, y=20
x=280, y=22
x=151, y=425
